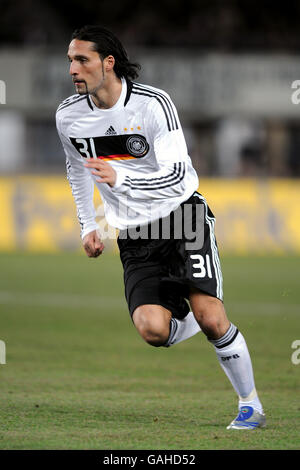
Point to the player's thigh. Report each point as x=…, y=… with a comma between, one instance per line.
x=152, y=321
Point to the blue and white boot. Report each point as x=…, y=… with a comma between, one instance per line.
x=248, y=418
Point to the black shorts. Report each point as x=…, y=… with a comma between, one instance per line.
x=160, y=268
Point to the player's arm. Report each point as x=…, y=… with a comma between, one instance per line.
x=82, y=187
x=171, y=152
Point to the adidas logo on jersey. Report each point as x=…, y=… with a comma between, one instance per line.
x=110, y=131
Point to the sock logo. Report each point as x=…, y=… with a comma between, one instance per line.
x=227, y=358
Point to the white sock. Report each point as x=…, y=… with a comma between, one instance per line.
x=182, y=329
x=234, y=357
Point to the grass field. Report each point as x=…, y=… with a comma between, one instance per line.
x=78, y=376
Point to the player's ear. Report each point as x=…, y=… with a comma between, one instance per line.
x=109, y=63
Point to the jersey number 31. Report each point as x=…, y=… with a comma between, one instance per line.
x=203, y=266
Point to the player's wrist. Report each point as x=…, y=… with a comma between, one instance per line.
x=88, y=231
x=120, y=178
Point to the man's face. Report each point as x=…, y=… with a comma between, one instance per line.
x=86, y=67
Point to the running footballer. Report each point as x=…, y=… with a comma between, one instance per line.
x=126, y=139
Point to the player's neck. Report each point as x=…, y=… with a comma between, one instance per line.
x=107, y=96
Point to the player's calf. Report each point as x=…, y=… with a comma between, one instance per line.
x=210, y=314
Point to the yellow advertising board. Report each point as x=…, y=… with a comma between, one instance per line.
x=253, y=216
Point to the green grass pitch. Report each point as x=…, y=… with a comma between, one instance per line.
x=78, y=375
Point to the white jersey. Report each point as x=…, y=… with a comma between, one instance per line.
x=141, y=137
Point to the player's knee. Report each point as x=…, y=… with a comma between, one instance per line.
x=154, y=338
x=153, y=333
x=153, y=328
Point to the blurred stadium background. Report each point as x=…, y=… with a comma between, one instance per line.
x=230, y=68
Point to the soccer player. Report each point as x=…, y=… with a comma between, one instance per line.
x=125, y=138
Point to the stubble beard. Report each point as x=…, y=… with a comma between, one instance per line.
x=94, y=92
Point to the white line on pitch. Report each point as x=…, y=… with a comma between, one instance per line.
x=57, y=299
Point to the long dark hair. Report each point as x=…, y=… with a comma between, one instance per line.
x=106, y=43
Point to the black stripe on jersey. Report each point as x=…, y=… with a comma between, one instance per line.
x=151, y=181
x=129, y=90
x=68, y=166
x=111, y=145
x=163, y=100
x=179, y=172
x=144, y=92
x=157, y=179
x=63, y=106
x=166, y=100
x=165, y=184
x=147, y=94
x=89, y=102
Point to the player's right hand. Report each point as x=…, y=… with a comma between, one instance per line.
x=93, y=245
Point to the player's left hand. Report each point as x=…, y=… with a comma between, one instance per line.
x=102, y=169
